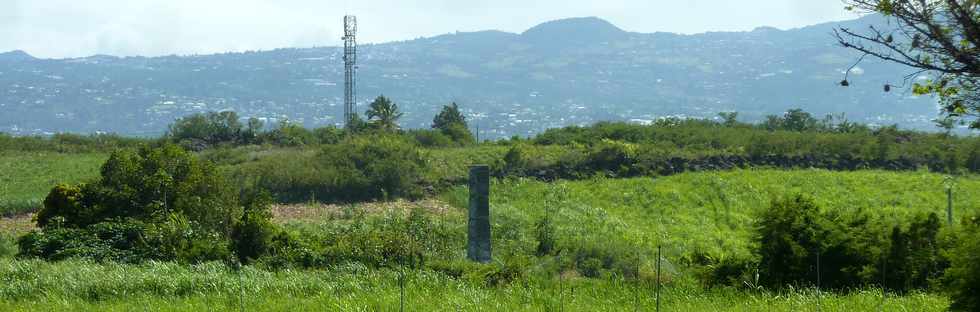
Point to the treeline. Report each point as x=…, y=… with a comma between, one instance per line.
x=214, y=129
x=794, y=140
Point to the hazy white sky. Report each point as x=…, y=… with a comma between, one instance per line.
x=71, y=28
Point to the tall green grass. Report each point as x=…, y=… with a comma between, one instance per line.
x=83, y=286
x=712, y=213
x=26, y=177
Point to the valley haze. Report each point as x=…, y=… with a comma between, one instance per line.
x=572, y=71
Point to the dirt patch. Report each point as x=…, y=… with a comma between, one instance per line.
x=315, y=212
x=17, y=225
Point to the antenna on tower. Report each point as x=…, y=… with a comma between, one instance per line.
x=350, y=68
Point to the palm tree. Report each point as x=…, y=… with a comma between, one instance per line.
x=384, y=114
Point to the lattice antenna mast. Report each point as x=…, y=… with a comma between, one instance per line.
x=350, y=68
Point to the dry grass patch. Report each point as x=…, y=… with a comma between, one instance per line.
x=316, y=212
x=17, y=225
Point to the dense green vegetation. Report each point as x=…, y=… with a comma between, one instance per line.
x=595, y=217
x=793, y=207
x=151, y=204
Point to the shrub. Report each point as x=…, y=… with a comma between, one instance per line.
x=107, y=241
x=64, y=205
x=516, y=160
x=289, y=134
x=287, y=250
x=147, y=184
x=459, y=134
x=596, y=259
x=914, y=257
x=372, y=167
x=544, y=231
x=154, y=203
x=793, y=235
x=613, y=156
x=430, y=138
x=963, y=276
x=973, y=159
x=211, y=128
x=252, y=237
x=731, y=271
x=329, y=135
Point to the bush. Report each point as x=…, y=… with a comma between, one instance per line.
x=596, y=259
x=430, y=138
x=155, y=203
x=329, y=135
x=107, y=241
x=731, y=272
x=252, y=237
x=973, y=159
x=613, y=157
x=793, y=235
x=211, y=128
x=290, y=134
x=544, y=231
x=459, y=134
x=915, y=257
x=145, y=185
x=963, y=276
x=516, y=160
x=372, y=167
x=63, y=206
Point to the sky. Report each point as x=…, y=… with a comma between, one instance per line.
x=73, y=28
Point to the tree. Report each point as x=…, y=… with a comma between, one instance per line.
x=449, y=116
x=729, y=119
x=252, y=131
x=798, y=120
x=793, y=120
x=384, y=114
x=937, y=37
x=212, y=128
x=451, y=122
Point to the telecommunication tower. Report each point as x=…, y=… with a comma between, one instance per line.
x=350, y=68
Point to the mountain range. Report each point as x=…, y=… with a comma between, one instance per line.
x=565, y=72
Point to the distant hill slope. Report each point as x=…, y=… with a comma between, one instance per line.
x=559, y=73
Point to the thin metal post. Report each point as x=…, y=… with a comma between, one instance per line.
x=884, y=280
x=658, y=277
x=818, y=279
x=401, y=285
x=241, y=290
x=561, y=287
x=949, y=205
x=636, y=285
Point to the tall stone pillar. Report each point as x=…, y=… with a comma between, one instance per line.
x=478, y=236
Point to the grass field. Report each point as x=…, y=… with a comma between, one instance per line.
x=707, y=213
x=712, y=212
x=26, y=177
x=83, y=286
